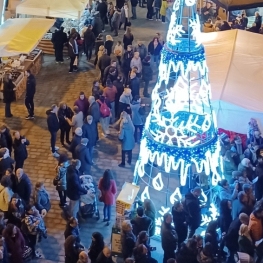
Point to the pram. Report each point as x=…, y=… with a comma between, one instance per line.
x=88, y=202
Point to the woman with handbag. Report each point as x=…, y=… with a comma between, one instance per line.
x=60, y=181
x=108, y=189
x=15, y=243
x=8, y=94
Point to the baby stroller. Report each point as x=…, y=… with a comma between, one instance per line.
x=88, y=202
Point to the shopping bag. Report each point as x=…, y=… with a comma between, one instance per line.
x=75, y=61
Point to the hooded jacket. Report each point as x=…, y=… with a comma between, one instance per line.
x=89, y=38
x=42, y=200
x=127, y=135
x=82, y=153
x=136, y=116
x=20, y=149
x=61, y=177
x=5, y=196
x=193, y=210
x=90, y=132
x=52, y=121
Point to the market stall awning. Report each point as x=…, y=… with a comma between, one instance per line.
x=238, y=4
x=22, y=35
x=53, y=8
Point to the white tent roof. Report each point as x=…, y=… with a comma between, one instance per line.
x=235, y=62
x=54, y=8
x=22, y=35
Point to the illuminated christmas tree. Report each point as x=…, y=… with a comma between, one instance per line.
x=180, y=135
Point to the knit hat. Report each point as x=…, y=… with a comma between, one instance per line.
x=78, y=131
x=84, y=140
x=147, y=59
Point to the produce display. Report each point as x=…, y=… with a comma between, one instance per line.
x=33, y=54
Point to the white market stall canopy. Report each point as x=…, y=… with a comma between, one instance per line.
x=22, y=35
x=235, y=63
x=53, y=8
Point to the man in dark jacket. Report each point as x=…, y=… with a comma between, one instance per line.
x=134, y=84
x=169, y=237
x=118, y=83
x=6, y=162
x=149, y=15
x=134, y=3
x=82, y=153
x=97, y=24
x=59, y=38
x=141, y=222
x=53, y=127
x=193, y=210
x=103, y=63
x=73, y=52
x=147, y=74
x=103, y=9
x=113, y=74
x=6, y=136
x=89, y=41
x=75, y=141
x=98, y=42
x=240, y=205
x=30, y=92
x=94, y=109
x=90, y=131
x=74, y=189
x=23, y=187
x=116, y=19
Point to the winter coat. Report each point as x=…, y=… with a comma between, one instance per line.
x=185, y=255
x=89, y=38
x=59, y=38
x=116, y=19
x=94, y=251
x=7, y=139
x=74, y=142
x=15, y=246
x=82, y=153
x=193, y=210
x=231, y=238
x=259, y=183
x=151, y=215
x=99, y=42
x=225, y=217
x=90, y=132
x=97, y=25
x=61, y=177
x=104, y=62
x=180, y=225
x=134, y=85
x=74, y=189
x=20, y=149
x=158, y=4
x=42, y=200
x=137, y=118
x=110, y=76
x=134, y=3
x=103, y=9
x=110, y=93
x=229, y=167
x=227, y=193
x=30, y=86
x=94, y=111
x=246, y=246
x=5, y=196
x=108, y=45
x=15, y=215
x=119, y=86
x=71, y=231
x=5, y=163
x=147, y=72
x=83, y=105
x=141, y=224
x=124, y=15
x=154, y=51
x=23, y=188
x=102, y=259
x=127, y=41
x=72, y=47
x=164, y=6
x=238, y=208
x=71, y=250
x=142, y=51
x=62, y=113
x=255, y=227
x=108, y=196
x=127, y=136
x=118, y=50
x=136, y=62
x=9, y=94
x=168, y=238
x=52, y=121
x=77, y=121
x=127, y=244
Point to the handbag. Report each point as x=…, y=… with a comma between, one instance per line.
x=27, y=254
x=55, y=181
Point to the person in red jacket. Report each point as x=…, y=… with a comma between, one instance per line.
x=108, y=189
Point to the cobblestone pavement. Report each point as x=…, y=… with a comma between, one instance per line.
x=54, y=84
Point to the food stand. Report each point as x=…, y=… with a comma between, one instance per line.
x=18, y=39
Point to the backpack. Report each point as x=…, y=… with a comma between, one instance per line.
x=104, y=109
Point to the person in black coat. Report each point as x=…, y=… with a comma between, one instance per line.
x=127, y=38
x=128, y=239
x=107, y=74
x=98, y=42
x=134, y=84
x=7, y=137
x=30, y=92
x=20, y=149
x=150, y=9
x=53, y=127
x=82, y=153
x=96, y=246
x=141, y=222
x=23, y=187
x=108, y=44
x=59, y=39
x=258, y=20
x=72, y=228
x=90, y=132
x=103, y=10
x=72, y=248
x=188, y=252
x=211, y=236
x=103, y=63
x=193, y=210
x=141, y=256
x=74, y=189
x=89, y=41
x=225, y=218
x=6, y=162
x=126, y=62
x=154, y=48
x=73, y=52
x=169, y=238
x=118, y=83
x=8, y=94
x=259, y=174
x=64, y=112
x=179, y=219
x=147, y=74
x=97, y=24
x=75, y=141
